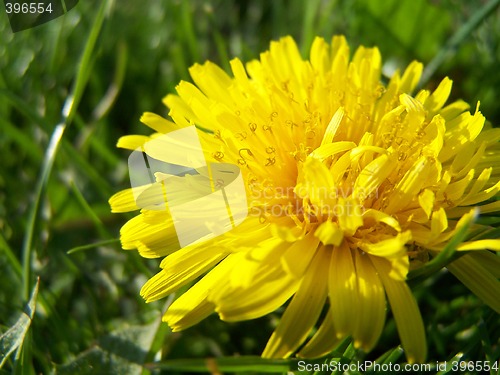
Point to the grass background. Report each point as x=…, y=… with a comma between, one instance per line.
x=70, y=88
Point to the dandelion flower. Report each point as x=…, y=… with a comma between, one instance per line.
x=349, y=184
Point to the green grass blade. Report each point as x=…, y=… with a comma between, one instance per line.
x=120, y=352
x=89, y=211
x=454, y=42
x=226, y=364
x=308, y=27
x=48, y=162
x=85, y=65
x=55, y=140
x=24, y=108
x=14, y=262
x=68, y=112
x=23, y=139
x=109, y=98
x=93, y=245
x=14, y=337
x=391, y=356
x=86, y=167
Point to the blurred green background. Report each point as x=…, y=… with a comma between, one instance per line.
x=87, y=77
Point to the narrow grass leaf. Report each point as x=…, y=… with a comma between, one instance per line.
x=458, y=38
x=23, y=139
x=13, y=338
x=120, y=352
x=391, y=356
x=89, y=211
x=55, y=140
x=33, y=213
x=308, y=24
x=14, y=262
x=93, y=245
x=227, y=364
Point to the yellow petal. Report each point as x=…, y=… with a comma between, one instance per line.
x=132, y=142
x=456, y=190
x=413, y=107
x=343, y=290
x=433, y=139
x=297, y=257
x=303, y=311
x=180, y=111
x=330, y=149
x=490, y=261
x=473, y=160
x=239, y=72
x=380, y=217
x=349, y=212
x=454, y=109
x=371, y=314
x=212, y=80
x=405, y=311
x=329, y=233
x=270, y=289
x=287, y=232
x=151, y=239
x=339, y=46
x=183, y=313
x=319, y=57
x=389, y=248
x=158, y=123
x=478, y=280
x=484, y=209
x=315, y=183
x=333, y=126
x=193, y=306
x=439, y=223
x=426, y=201
x=479, y=184
x=180, y=268
x=411, y=76
x=372, y=176
x=436, y=101
x=483, y=196
x=324, y=340
x=480, y=245
x=409, y=186
x=399, y=267
x=461, y=130
x=317, y=173
x=256, y=262
x=123, y=201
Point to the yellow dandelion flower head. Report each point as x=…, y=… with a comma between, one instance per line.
x=348, y=184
